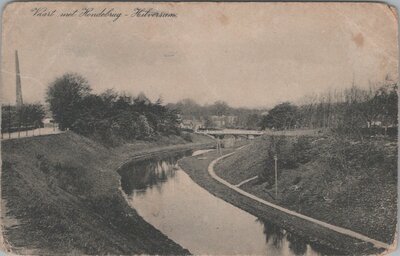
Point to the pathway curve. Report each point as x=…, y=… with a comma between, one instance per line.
x=341, y=230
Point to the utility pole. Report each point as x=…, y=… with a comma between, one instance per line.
x=276, y=176
x=218, y=146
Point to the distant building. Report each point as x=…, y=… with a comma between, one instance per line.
x=47, y=120
x=218, y=121
x=191, y=124
x=224, y=121
x=231, y=120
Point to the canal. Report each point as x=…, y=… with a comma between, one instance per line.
x=167, y=198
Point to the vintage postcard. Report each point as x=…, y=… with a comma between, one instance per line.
x=199, y=128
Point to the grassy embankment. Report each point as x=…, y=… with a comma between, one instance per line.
x=321, y=239
x=346, y=182
x=63, y=190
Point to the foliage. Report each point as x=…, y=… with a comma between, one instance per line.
x=350, y=111
x=358, y=108
x=191, y=110
x=208, y=123
x=282, y=116
x=253, y=121
x=108, y=117
x=187, y=136
x=25, y=117
x=65, y=96
x=219, y=108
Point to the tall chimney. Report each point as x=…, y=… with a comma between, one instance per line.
x=19, y=101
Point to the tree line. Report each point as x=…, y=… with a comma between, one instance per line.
x=246, y=118
x=21, y=118
x=352, y=110
x=109, y=116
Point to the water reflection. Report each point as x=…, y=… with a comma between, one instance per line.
x=273, y=233
x=297, y=245
x=139, y=175
x=167, y=198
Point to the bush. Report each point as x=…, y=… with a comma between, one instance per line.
x=108, y=117
x=187, y=136
x=302, y=150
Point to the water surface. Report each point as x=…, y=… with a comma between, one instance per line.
x=166, y=197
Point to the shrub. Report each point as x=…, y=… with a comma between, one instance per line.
x=187, y=136
x=302, y=150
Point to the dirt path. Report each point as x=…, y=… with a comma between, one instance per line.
x=344, y=231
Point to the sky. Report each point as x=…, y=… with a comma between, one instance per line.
x=247, y=54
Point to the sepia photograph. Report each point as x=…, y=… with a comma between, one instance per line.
x=199, y=128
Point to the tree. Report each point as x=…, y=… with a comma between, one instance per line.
x=252, y=121
x=65, y=96
x=282, y=116
x=385, y=101
x=208, y=123
x=35, y=114
x=28, y=116
x=145, y=129
x=7, y=117
x=220, y=108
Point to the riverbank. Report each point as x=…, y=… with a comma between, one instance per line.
x=344, y=181
x=332, y=243
x=63, y=190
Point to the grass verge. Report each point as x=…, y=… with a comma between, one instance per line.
x=64, y=191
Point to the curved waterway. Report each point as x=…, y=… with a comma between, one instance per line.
x=166, y=197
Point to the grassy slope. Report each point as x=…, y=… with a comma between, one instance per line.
x=251, y=159
x=64, y=191
x=321, y=239
x=349, y=183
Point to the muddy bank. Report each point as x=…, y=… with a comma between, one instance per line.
x=335, y=244
x=64, y=191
